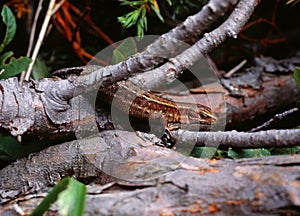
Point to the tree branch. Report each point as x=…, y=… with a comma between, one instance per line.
x=262, y=139
x=54, y=96
x=157, y=180
x=175, y=66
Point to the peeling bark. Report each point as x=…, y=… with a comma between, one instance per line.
x=163, y=182
x=126, y=173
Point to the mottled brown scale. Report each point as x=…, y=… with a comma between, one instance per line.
x=142, y=104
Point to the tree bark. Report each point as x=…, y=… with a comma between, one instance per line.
x=126, y=172
x=134, y=177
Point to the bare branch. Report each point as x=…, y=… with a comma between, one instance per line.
x=211, y=40
x=262, y=139
x=264, y=186
x=276, y=118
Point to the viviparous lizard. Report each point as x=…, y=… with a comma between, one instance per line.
x=142, y=104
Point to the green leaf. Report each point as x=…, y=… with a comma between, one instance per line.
x=40, y=70
x=14, y=66
x=297, y=76
x=11, y=26
x=297, y=80
x=248, y=153
x=71, y=197
x=204, y=152
x=11, y=149
x=51, y=197
x=136, y=17
x=72, y=200
x=285, y=151
x=169, y=2
x=124, y=50
x=141, y=26
x=157, y=13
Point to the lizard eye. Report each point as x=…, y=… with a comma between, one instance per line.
x=203, y=116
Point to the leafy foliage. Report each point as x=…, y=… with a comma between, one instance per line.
x=70, y=195
x=297, y=76
x=10, y=66
x=138, y=15
x=11, y=148
x=14, y=67
x=247, y=153
x=209, y=152
x=40, y=70
x=297, y=79
x=204, y=152
x=285, y=151
x=11, y=26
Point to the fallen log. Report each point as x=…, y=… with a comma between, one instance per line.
x=127, y=174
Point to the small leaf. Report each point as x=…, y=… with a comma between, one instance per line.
x=14, y=66
x=70, y=195
x=297, y=80
x=155, y=8
x=285, y=151
x=11, y=149
x=51, y=197
x=40, y=70
x=297, y=76
x=141, y=26
x=169, y=2
x=72, y=200
x=248, y=153
x=203, y=152
x=11, y=26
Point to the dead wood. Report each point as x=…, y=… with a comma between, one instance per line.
x=262, y=139
x=126, y=173
x=50, y=104
x=149, y=180
x=46, y=112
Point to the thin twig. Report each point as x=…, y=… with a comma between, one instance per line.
x=235, y=69
x=32, y=34
x=230, y=28
x=58, y=5
x=40, y=38
x=276, y=118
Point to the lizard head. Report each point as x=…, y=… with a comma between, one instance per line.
x=201, y=114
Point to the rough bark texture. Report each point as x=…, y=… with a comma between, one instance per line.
x=56, y=106
x=47, y=111
x=168, y=72
x=126, y=173
x=261, y=139
x=163, y=182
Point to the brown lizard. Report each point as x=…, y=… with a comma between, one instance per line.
x=141, y=104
